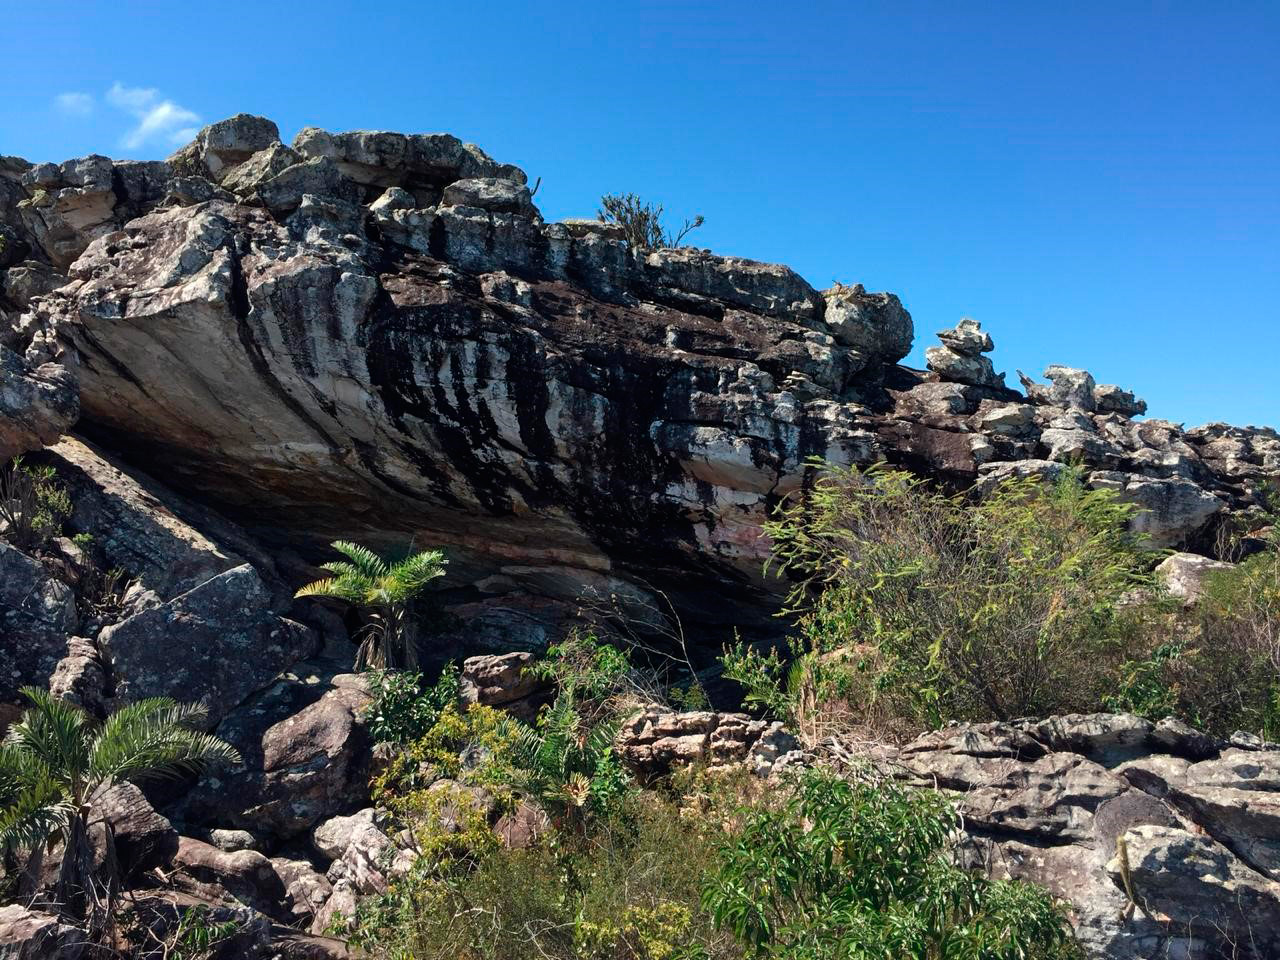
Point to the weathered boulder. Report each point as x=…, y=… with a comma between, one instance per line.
x=37, y=403
x=81, y=677
x=875, y=325
x=1112, y=399
x=1098, y=807
x=657, y=740
x=960, y=358
x=305, y=752
x=221, y=147
x=505, y=681
x=37, y=616
x=1184, y=574
x=30, y=935
x=363, y=855
x=168, y=544
x=306, y=890
x=143, y=838
x=215, y=644
x=490, y=193
x=245, y=877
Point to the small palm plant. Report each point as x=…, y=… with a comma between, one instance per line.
x=387, y=589
x=56, y=760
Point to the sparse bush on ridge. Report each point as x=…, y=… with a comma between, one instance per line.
x=641, y=221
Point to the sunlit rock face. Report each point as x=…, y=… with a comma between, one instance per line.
x=377, y=336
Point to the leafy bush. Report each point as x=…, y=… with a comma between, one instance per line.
x=33, y=505
x=1217, y=665
x=627, y=891
x=385, y=588
x=932, y=607
x=857, y=868
x=641, y=221
x=567, y=764
x=401, y=710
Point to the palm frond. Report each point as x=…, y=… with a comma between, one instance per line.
x=366, y=561
x=34, y=815
x=155, y=738
x=414, y=572
x=20, y=770
x=56, y=732
x=328, y=587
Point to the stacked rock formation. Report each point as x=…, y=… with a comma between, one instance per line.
x=960, y=358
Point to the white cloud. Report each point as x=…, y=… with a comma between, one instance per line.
x=74, y=104
x=158, y=119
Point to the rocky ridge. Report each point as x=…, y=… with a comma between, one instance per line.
x=377, y=335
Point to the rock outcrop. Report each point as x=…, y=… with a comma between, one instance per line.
x=377, y=335
x=1104, y=807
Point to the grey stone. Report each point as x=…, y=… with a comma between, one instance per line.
x=215, y=644
x=37, y=616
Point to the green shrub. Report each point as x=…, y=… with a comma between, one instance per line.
x=864, y=869
x=1220, y=671
x=627, y=891
x=566, y=763
x=932, y=607
x=33, y=504
x=401, y=710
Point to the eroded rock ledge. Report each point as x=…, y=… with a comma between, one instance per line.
x=376, y=335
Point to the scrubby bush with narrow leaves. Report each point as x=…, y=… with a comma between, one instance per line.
x=626, y=890
x=641, y=221
x=33, y=504
x=1217, y=664
x=929, y=607
x=861, y=868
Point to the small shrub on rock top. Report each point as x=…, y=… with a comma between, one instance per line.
x=641, y=221
x=863, y=868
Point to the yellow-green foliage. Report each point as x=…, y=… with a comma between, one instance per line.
x=628, y=890
x=404, y=786
x=950, y=608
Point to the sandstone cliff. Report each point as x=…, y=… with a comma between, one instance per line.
x=234, y=357
x=377, y=335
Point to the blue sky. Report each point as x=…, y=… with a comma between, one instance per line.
x=1099, y=184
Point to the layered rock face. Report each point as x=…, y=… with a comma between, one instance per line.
x=377, y=336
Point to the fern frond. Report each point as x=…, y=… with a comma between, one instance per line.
x=416, y=571
x=368, y=563
x=33, y=816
